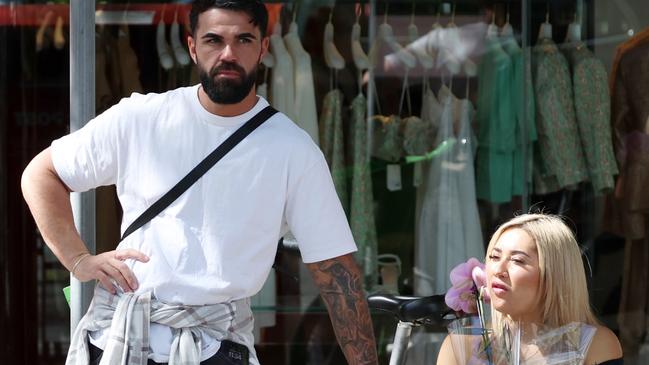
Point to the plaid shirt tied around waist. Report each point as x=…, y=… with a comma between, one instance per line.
x=129, y=315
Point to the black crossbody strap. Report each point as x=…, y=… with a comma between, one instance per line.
x=200, y=169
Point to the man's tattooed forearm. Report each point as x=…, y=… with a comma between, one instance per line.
x=341, y=287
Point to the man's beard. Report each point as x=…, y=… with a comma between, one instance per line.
x=225, y=90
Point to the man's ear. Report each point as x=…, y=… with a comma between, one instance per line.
x=191, y=45
x=265, y=42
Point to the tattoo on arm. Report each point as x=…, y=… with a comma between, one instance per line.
x=341, y=287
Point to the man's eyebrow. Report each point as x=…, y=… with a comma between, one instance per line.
x=246, y=35
x=211, y=36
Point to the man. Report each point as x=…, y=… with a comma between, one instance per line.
x=190, y=271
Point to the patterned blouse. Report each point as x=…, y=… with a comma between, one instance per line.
x=560, y=161
x=593, y=112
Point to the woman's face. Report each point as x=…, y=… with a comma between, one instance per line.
x=513, y=276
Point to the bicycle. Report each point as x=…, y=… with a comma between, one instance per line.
x=411, y=312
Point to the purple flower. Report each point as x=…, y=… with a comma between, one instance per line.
x=480, y=279
x=463, y=293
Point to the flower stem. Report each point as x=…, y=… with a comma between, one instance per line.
x=483, y=326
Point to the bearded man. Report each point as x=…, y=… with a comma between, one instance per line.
x=177, y=289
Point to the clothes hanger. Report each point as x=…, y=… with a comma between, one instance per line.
x=574, y=31
x=450, y=61
x=507, y=29
x=292, y=28
x=545, y=31
x=432, y=42
x=361, y=61
x=277, y=31
x=59, y=38
x=425, y=60
x=492, y=28
x=176, y=45
x=282, y=91
x=407, y=59
x=42, y=30
x=333, y=59
x=161, y=44
x=292, y=40
x=386, y=35
x=507, y=34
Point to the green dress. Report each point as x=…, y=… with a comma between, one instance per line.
x=496, y=123
x=522, y=97
x=559, y=160
x=593, y=112
x=332, y=143
x=362, y=200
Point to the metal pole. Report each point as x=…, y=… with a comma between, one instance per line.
x=82, y=109
x=400, y=343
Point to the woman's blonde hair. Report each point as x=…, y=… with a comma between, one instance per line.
x=563, y=290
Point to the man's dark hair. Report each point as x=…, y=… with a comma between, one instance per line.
x=254, y=8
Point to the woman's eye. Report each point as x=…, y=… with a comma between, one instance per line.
x=493, y=257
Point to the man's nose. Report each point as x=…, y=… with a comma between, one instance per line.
x=228, y=53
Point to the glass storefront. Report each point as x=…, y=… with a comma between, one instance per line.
x=440, y=120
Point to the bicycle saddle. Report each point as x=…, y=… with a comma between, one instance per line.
x=430, y=309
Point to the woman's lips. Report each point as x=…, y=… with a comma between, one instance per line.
x=499, y=289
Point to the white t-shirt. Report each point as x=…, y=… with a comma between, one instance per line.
x=217, y=242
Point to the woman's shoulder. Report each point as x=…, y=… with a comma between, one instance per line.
x=446, y=355
x=605, y=346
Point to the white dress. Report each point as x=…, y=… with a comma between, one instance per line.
x=448, y=229
x=306, y=114
x=282, y=85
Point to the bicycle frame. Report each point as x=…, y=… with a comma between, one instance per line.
x=400, y=343
x=411, y=312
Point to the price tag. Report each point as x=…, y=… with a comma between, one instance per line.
x=417, y=177
x=394, y=177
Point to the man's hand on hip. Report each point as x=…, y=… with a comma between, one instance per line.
x=109, y=268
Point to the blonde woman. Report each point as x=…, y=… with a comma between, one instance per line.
x=535, y=276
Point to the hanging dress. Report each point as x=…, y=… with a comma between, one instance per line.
x=448, y=229
x=560, y=161
x=361, y=218
x=593, y=114
x=431, y=113
x=522, y=97
x=282, y=85
x=496, y=125
x=332, y=143
x=465, y=154
x=306, y=115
